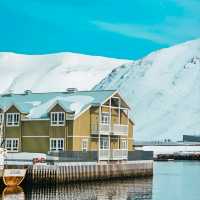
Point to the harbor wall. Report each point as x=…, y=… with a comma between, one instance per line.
x=72, y=172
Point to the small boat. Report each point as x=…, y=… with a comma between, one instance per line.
x=13, y=177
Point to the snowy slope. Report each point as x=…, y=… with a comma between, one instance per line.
x=163, y=90
x=53, y=72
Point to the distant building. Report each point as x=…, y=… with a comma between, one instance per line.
x=191, y=138
x=78, y=121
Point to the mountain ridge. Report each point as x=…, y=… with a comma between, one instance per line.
x=53, y=72
x=163, y=89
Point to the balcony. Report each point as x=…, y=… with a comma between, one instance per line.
x=106, y=129
x=119, y=154
x=101, y=128
x=120, y=129
x=113, y=154
x=104, y=154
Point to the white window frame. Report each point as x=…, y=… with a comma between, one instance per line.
x=55, y=119
x=105, y=118
x=12, y=121
x=124, y=144
x=12, y=142
x=57, y=142
x=104, y=143
x=84, y=145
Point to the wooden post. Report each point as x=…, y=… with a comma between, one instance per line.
x=99, y=137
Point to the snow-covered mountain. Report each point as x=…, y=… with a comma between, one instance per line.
x=163, y=90
x=53, y=72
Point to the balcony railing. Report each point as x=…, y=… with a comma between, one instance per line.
x=104, y=154
x=120, y=129
x=119, y=154
x=70, y=117
x=113, y=154
x=116, y=129
x=101, y=128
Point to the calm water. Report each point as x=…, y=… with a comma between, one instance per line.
x=171, y=181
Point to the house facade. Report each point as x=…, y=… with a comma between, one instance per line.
x=78, y=121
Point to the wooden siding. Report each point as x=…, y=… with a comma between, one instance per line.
x=74, y=131
x=81, y=128
x=35, y=128
x=37, y=145
x=13, y=131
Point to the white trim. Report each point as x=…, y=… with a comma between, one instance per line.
x=57, y=122
x=115, y=107
x=79, y=114
x=78, y=136
x=9, y=106
x=120, y=96
x=56, y=148
x=39, y=119
x=84, y=147
x=114, y=92
x=13, y=122
x=12, y=139
x=124, y=141
x=54, y=104
x=35, y=136
x=107, y=116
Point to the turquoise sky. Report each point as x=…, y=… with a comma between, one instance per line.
x=114, y=28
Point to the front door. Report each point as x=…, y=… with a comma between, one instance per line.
x=104, y=152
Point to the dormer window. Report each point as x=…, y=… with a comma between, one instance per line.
x=57, y=118
x=12, y=119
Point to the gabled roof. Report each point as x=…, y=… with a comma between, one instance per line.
x=37, y=105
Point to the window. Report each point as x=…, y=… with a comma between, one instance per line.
x=57, y=144
x=84, y=145
x=105, y=118
x=104, y=143
x=57, y=119
x=1, y=118
x=124, y=144
x=12, y=119
x=12, y=144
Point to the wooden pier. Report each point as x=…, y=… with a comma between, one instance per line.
x=72, y=172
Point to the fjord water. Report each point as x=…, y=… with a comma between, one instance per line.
x=172, y=181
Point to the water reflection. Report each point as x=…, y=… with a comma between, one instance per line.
x=13, y=193
x=107, y=190
x=115, y=190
